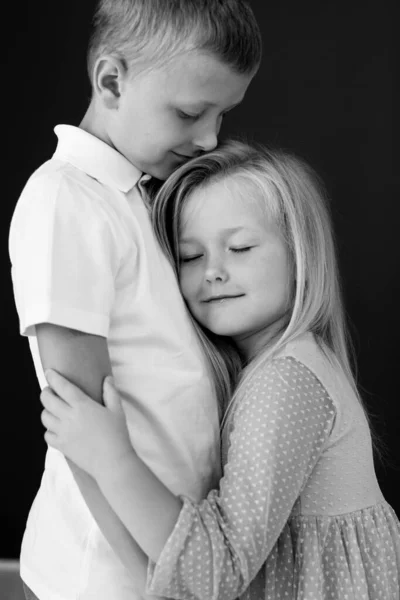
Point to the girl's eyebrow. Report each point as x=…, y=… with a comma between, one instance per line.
x=187, y=240
x=228, y=231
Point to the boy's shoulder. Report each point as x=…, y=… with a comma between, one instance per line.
x=60, y=186
x=83, y=165
x=55, y=175
x=58, y=194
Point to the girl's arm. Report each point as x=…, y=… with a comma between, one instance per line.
x=214, y=549
x=84, y=359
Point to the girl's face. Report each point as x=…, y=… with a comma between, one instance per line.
x=236, y=274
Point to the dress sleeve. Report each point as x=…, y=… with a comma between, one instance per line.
x=280, y=427
x=65, y=255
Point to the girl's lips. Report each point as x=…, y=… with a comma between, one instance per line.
x=221, y=298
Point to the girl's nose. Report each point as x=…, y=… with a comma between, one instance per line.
x=216, y=273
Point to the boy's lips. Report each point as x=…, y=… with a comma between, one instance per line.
x=183, y=156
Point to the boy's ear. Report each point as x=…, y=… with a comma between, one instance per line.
x=108, y=76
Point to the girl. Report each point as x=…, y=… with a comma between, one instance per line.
x=298, y=512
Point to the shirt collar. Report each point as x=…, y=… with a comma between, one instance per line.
x=96, y=158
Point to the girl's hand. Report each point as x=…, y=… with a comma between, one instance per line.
x=93, y=436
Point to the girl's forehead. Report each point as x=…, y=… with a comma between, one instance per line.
x=228, y=197
x=224, y=204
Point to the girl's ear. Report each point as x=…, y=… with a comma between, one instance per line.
x=108, y=76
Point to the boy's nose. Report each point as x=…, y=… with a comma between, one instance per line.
x=207, y=139
x=208, y=143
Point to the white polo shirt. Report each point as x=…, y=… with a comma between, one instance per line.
x=84, y=256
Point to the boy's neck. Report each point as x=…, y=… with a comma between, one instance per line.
x=93, y=124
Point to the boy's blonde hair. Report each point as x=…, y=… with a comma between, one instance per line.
x=148, y=32
x=292, y=193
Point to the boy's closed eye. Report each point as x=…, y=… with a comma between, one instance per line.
x=195, y=116
x=187, y=116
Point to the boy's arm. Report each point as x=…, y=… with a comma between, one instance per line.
x=84, y=359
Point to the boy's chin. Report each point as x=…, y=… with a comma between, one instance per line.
x=162, y=172
x=164, y=169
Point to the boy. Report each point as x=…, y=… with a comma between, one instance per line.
x=93, y=290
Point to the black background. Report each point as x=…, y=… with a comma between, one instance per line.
x=325, y=90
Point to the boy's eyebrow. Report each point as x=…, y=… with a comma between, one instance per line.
x=207, y=104
x=229, y=107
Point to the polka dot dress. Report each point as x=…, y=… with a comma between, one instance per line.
x=299, y=513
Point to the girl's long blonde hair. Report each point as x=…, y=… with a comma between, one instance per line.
x=292, y=190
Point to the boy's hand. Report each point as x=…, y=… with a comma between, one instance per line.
x=94, y=437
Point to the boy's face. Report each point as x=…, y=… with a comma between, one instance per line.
x=167, y=115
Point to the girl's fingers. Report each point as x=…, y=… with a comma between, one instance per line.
x=49, y=421
x=69, y=392
x=111, y=397
x=50, y=439
x=53, y=403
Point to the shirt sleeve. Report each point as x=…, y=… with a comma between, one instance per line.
x=65, y=255
x=280, y=427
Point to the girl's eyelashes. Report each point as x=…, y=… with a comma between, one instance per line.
x=242, y=249
x=186, y=259
x=192, y=257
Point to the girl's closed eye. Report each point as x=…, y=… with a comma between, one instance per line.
x=191, y=258
x=242, y=249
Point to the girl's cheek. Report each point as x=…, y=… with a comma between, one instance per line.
x=190, y=283
x=184, y=284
